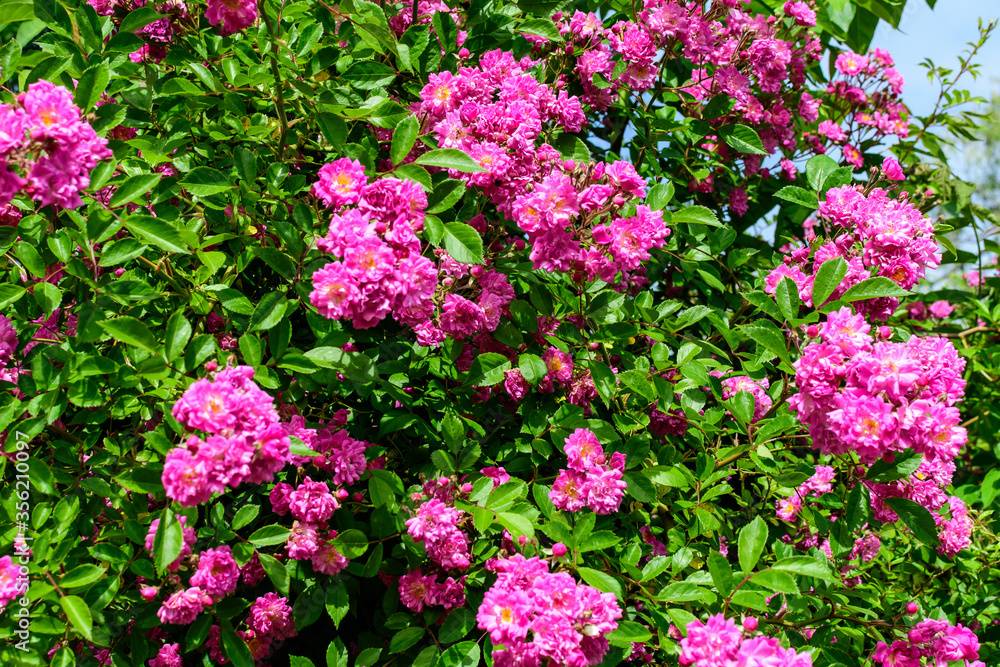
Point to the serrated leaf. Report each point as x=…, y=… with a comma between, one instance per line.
x=367, y=75
x=168, y=541
x=403, y=139
x=532, y=368
x=269, y=312
x=463, y=243
x=776, y=580
x=79, y=615
x=405, y=638
x=93, y=82
x=156, y=231
x=698, y=215
x=797, y=195
x=130, y=331
x=905, y=463
x=450, y=158
x=873, y=288
x=916, y=518
x=269, y=536
x=742, y=139
x=818, y=169
x=752, y=539
x=828, y=279
x=205, y=181
x=541, y=27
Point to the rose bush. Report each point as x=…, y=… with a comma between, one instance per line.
x=508, y=333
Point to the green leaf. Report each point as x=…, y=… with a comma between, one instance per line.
x=351, y=543
x=168, y=541
x=776, y=580
x=818, y=169
x=463, y=243
x=916, y=518
x=722, y=573
x=660, y=195
x=81, y=575
x=157, y=231
x=698, y=215
x=516, y=524
x=131, y=331
x=458, y=624
x=637, y=381
x=445, y=195
x=79, y=615
x=787, y=296
x=770, y=337
x=807, y=567
x=988, y=489
x=235, y=648
x=629, y=631
x=368, y=657
x=797, y=195
x=357, y=366
x=450, y=158
x=403, y=138
x=139, y=18
x=541, y=27
x=120, y=251
x=10, y=294
x=743, y=139
x=405, y=638
x=753, y=537
x=10, y=54
x=465, y=654
x=276, y=571
x=828, y=278
x=415, y=172
x=873, y=288
x=178, y=334
x=602, y=581
x=338, y=603
x=269, y=312
x=488, y=369
x=367, y=75
x=29, y=256
x=205, y=181
x=532, y=368
x=93, y=82
x=244, y=516
x=269, y=536
x=905, y=463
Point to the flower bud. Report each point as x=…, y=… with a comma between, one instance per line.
x=912, y=608
x=750, y=624
x=149, y=593
x=476, y=271
x=558, y=549
x=342, y=494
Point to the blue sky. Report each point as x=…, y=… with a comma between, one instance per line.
x=941, y=35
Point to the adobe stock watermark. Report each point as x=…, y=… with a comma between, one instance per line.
x=22, y=552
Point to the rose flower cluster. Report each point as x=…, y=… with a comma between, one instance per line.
x=543, y=617
x=870, y=232
x=47, y=149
